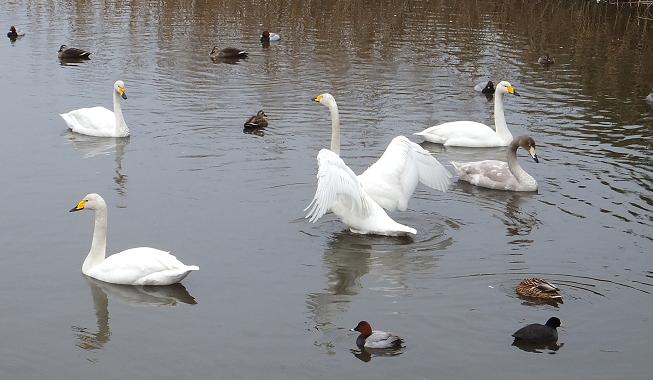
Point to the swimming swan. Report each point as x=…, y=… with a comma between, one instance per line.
x=135, y=266
x=99, y=121
x=500, y=175
x=359, y=200
x=471, y=133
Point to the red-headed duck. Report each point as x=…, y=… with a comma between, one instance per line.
x=375, y=339
x=267, y=36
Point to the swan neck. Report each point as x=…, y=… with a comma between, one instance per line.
x=99, y=245
x=121, y=126
x=335, y=128
x=500, y=119
x=516, y=169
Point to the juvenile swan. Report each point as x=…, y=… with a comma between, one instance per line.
x=99, y=121
x=135, y=266
x=389, y=183
x=499, y=175
x=471, y=133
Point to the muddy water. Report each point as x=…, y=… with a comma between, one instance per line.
x=275, y=295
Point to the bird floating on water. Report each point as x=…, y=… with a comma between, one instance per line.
x=13, y=34
x=369, y=338
x=538, y=288
x=135, y=266
x=266, y=36
x=486, y=88
x=228, y=53
x=546, y=60
x=538, y=333
x=66, y=52
x=259, y=120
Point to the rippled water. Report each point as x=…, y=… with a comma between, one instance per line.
x=275, y=295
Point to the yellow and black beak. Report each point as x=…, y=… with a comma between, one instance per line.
x=121, y=91
x=80, y=206
x=512, y=90
x=531, y=151
x=318, y=99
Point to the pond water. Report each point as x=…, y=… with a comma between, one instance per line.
x=276, y=295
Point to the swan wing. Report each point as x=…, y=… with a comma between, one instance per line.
x=392, y=179
x=336, y=184
x=94, y=121
x=141, y=266
x=462, y=133
x=492, y=174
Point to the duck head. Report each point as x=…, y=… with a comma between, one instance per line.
x=90, y=201
x=364, y=328
x=12, y=29
x=61, y=48
x=119, y=87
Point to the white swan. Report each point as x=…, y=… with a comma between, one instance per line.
x=471, y=133
x=99, y=121
x=499, y=175
x=359, y=200
x=135, y=266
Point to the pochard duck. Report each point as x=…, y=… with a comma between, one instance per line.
x=266, y=36
x=369, y=338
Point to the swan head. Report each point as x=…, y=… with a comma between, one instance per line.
x=528, y=144
x=504, y=87
x=326, y=99
x=90, y=201
x=119, y=87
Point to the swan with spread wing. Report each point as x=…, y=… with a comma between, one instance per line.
x=359, y=201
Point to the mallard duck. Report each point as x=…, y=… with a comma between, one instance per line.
x=259, y=120
x=73, y=53
x=267, y=36
x=471, y=133
x=538, y=333
x=359, y=201
x=135, y=266
x=227, y=53
x=13, y=34
x=486, y=88
x=499, y=175
x=538, y=288
x=99, y=121
x=546, y=60
x=374, y=338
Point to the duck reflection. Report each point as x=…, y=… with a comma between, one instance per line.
x=170, y=295
x=538, y=348
x=365, y=354
x=99, y=146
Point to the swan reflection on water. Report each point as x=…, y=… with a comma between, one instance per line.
x=167, y=296
x=91, y=146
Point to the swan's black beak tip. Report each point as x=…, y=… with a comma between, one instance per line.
x=74, y=209
x=124, y=96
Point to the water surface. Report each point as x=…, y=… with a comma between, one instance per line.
x=275, y=294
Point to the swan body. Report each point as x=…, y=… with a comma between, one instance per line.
x=72, y=53
x=260, y=120
x=499, y=175
x=99, y=121
x=227, y=53
x=538, y=288
x=471, y=133
x=135, y=266
x=266, y=36
x=359, y=201
x=649, y=98
x=375, y=339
